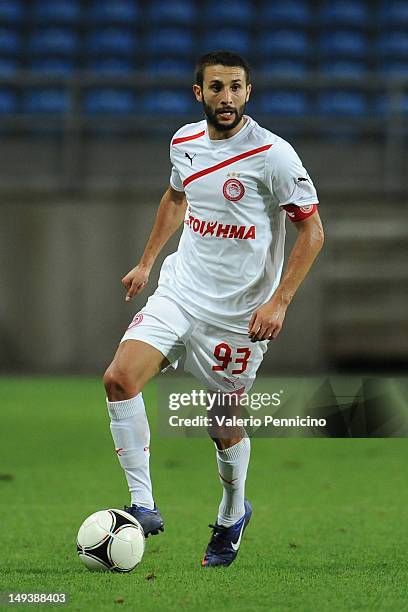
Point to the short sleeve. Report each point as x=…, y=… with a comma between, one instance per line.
x=286, y=178
x=175, y=179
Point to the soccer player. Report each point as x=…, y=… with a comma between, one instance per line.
x=221, y=297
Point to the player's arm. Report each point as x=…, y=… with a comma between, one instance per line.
x=267, y=321
x=169, y=217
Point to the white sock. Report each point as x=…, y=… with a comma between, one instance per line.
x=131, y=434
x=232, y=468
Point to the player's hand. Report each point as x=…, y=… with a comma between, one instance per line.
x=266, y=322
x=135, y=281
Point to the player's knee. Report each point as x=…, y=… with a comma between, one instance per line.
x=119, y=384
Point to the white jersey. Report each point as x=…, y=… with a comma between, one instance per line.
x=230, y=256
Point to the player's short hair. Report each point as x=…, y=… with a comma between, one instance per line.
x=223, y=58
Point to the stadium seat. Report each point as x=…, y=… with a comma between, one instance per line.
x=287, y=14
x=393, y=45
x=9, y=42
x=342, y=103
x=383, y=105
x=283, y=43
x=394, y=69
x=343, y=69
x=110, y=65
x=53, y=41
x=169, y=41
x=343, y=44
x=233, y=39
x=173, y=66
x=109, y=102
x=287, y=68
x=8, y=66
x=111, y=41
x=52, y=65
x=287, y=103
x=225, y=12
x=66, y=12
x=347, y=13
x=11, y=12
x=109, y=12
x=177, y=12
x=167, y=103
x=394, y=14
x=46, y=101
x=8, y=102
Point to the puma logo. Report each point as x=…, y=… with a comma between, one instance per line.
x=190, y=158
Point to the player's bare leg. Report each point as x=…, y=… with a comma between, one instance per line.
x=134, y=364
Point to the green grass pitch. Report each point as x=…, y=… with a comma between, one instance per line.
x=329, y=529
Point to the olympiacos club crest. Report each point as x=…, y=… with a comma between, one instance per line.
x=233, y=190
x=137, y=319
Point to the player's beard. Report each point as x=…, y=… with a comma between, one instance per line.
x=211, y=116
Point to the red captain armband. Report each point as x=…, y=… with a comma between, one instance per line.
x=299, y=213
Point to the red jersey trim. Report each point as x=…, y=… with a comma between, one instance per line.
x=185, y=138
x=226, y=162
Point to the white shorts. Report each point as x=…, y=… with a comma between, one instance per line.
x=221, y=360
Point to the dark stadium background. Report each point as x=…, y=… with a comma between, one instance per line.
x=90, y=94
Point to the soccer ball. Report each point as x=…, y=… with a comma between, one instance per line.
x=110, y=540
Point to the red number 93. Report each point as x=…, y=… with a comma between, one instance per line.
x=223, y=354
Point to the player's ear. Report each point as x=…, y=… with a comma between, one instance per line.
x=198, y=92
x=248, y=93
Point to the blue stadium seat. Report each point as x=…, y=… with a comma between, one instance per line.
x=53, y=41
x=167, y=103
x=111, y=65
x=225, y=12
x=8, y=102
x=46, y=101
x=348, y=69
x=11, y=11
x=394, y=14
x=233, y=39
x=342, y=103
x=111, y=41
x=348, y=13
x=177, y=12
x=110, y=102
x=383, y=105
x=283, y=103
x=56, y=66
x=287, y=14
x=109, y=12
x=167, y=65
x=283, y=43
x=10, y=42
x=171, y=41
x=343, y=44
x=8, y=66
x=394, y=69
x=293, y=69
x=393, y=45
x=66, y=12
